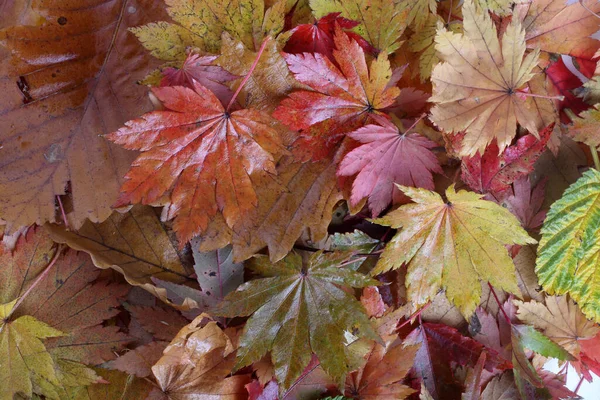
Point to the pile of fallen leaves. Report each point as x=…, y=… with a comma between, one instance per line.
x=298, y=199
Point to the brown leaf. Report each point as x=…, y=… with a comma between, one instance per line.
x=560, y=319
x=282, y=214
x=119, y=385
x=162, y=323
x=68, y=80
x=134, y=243
x=197, y=363
x=140, y=360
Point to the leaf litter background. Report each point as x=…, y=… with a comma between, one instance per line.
x=246, y=259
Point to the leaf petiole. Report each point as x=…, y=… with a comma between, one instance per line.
x=595, y=158
x=252, y=68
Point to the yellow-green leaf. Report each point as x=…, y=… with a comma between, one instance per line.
x=452, y=245
x=299, y=308
x=569, y=252
x=24, y=360
x=382, y=22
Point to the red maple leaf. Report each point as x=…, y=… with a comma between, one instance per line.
x=198, y=153
x=386, y=157
x=564, y=81
x=342, y=100
x=495, y=172
x=526, y=202
x=318, y=36
x=201, y=69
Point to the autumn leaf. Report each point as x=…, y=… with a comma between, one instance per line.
x=270, y=81
x=564, y=83
x=134, y=243
x=385, y=368
x=385, y=157
x=559, y=319
x=195, y=144
x=199, y=24
x=318, y=36
x=526, y=202
x=140, y=360
x=585, y=129
x=563, y=27
x=381, y=22
x=62, y=302
x=198, y=363
x=452, y=245
x=495, y=171
x=292, y=298
x=567, y=254
x=342, y=99
x=420, y=12
x=282, y=215
x=118, y=385
x=500, y=388
x=479, y=86
x=203, y=70
x=67, y=79
x=441, y=345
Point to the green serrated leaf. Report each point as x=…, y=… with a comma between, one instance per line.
x=297, y=309
x=569, y=253
x=536, y=341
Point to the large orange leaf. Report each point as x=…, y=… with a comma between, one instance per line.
x=479, y=88
x=201, y=155
x=65, y=81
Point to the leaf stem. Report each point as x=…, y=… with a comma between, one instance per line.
x=413, y=316
x=252, y=68
x=595, y=158
x=62, y=211
x=499, y=304
x=415, y=123
x=541, y=96
x=37, y=280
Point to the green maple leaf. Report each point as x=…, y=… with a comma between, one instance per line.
x=299, y=306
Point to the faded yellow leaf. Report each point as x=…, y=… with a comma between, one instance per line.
x=453, y=244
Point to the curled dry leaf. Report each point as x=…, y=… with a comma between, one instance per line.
x=64, y=86
x=134, y=243
x=66, y=306
x=452, y=245
x=479, y=88
x=198, y=363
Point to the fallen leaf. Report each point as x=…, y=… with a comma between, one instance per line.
x=526, y=202
x=441, y=345
x=119, y=385
x=200, y=25
x=77, y=83
x=494, y=171
x=567, y=254
x=479, y=86
x=454, y=245
x=380, y=377
x=201, y=69
x=217, y=274
x=560, y=319
x=473, y=382
x=66, y=307
x=190, y=147
x=341, y=100
x=385, y=157
x=198, y=363
x=134, y=243
x=140, y=360
x=286, y=317
x=564, y=82
x=282, y=215
x=381, y=22
x=162, y=323
x=500, y=388
x=563, y=27
x=585, y=130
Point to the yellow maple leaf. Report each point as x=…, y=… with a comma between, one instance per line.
x=199, y=24
x=480, y=86
x=452, y=245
